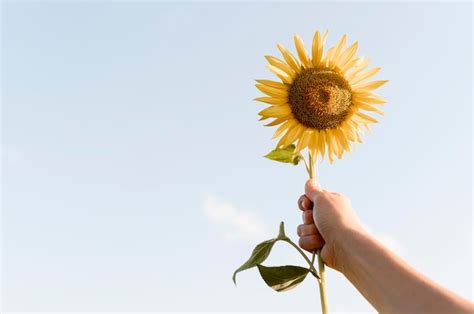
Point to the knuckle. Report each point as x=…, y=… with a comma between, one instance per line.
x=306, y=203
x=299, y=230
x=316, y=242
x=300, y=202
x=311, y=229
x=303, y=243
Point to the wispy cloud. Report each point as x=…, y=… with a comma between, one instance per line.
x=234, y=223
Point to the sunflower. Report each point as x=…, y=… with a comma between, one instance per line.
x=322, y=100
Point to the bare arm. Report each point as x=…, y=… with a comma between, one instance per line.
x=390, y=284
x=384, y=279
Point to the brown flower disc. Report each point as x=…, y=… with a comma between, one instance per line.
x=320, y=98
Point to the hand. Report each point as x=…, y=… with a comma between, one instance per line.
x=327, y=216
x=385, y=280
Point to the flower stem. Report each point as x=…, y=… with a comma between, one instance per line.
x=321, y=268
x=312, y=171
x=322, y=284
x=310, y=263
x=305, y=163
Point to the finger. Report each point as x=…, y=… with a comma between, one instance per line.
x=312, y=189
x=306, y=230
x=300, y=202
x=308, y=217
x=305, y=203
x=311, y=242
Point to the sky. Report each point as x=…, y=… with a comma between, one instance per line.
x=132, y=170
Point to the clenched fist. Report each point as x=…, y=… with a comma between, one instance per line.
x=327, y=216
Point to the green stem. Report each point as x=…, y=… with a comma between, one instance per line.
x=322, y=271
x=311, y=171
x=322, y=284
x=305, y=162
x=310, y=263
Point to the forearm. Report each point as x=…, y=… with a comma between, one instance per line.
x=389, y=283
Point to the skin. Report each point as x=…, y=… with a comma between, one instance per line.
x=385, y=280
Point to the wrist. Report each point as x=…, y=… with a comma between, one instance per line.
x=346, y=245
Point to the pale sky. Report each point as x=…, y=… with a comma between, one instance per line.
x=133, y=177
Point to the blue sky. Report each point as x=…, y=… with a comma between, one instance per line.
x=131, y=152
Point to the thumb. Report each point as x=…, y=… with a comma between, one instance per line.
x=312, y=189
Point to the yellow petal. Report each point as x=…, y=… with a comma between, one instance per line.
x=283, y=138
x=340, y=147
x=369, y=85
x=302, y=54
x=367, y=127
x=366, y=118
x=273, y=84
x=368, y=97
x=343, y=141
x=361, y=64
x=330, y=145
x=325, y=36
x=327, y=58
x=292, y=62
x=287, y=125
x=315, y=49
x=321, y=143
x=347, y=55
x=293, y=134
x=278, y=121
x=358, y=67
x=337, y=148
x=272, y=100
x=321, y=43
x=352, y=125
x=313, y=143
x=338, y=50
x=364, y=75
x=375, y=99
x=271, y=91
x=352, y=63
x=298, y=131
x=275, y=111
x=368, y=107
x=354, y=129
x=348, y=131
x=281, y=65
x=281, y=74
x=304, y=140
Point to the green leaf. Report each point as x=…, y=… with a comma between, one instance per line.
x=282, y=278
x=285, y=154
x=259, y=254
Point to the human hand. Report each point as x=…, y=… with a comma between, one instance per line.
x=327, y=218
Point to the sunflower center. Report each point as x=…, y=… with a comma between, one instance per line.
x=320, y=98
